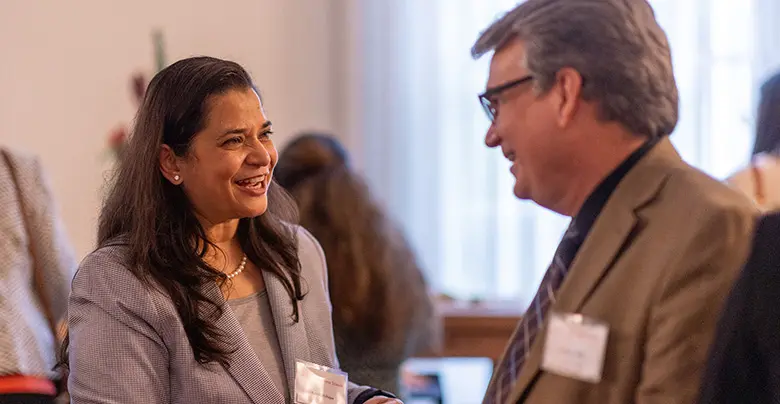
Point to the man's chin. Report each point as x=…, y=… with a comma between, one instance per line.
x=521, y=192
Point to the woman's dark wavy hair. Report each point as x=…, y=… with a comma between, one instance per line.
x=768, y=122
x=377, y=288
x=155, y=221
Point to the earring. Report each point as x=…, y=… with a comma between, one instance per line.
x=176, y=177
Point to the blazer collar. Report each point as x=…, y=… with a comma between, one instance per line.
x=292, y=335
x=612, y=232
x=244, y=366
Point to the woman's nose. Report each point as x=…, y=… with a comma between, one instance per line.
x=259, y=155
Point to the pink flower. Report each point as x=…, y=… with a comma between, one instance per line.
x=117, y=136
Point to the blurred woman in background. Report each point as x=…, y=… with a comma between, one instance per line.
x=761, y=179
x=382, y=312
x=36, y=267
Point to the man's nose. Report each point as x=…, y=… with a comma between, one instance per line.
x=491, y=137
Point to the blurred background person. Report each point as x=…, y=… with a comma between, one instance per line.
x=760, y=180
x=37, y=266
x=744, y=363
x=382, y=311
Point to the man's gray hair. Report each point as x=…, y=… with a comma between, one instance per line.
x=616, y=45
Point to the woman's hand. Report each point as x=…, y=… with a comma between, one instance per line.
x=383, y=400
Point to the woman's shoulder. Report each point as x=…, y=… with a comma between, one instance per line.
x=106, y=261
x=757, y=180
x=761, y=162
x=105, y=277
x=21, y=159
x=742, y=177
x=310, y=253
x=307, y=243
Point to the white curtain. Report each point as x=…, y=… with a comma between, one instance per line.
x=417, y=128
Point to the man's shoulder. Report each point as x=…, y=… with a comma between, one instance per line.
x=692, y=190
x=693, y=213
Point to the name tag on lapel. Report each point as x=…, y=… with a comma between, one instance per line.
x=317, y=384
x=575, y=346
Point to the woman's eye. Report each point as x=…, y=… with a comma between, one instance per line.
x=233, y=141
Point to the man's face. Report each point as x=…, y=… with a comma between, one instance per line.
x=526, y=126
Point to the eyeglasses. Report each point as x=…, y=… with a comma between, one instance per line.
x=486, y=98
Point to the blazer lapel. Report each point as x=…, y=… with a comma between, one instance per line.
x=602, y=247
x=245, y=368
x=292, y=335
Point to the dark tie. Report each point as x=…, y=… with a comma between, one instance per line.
x=509, y=368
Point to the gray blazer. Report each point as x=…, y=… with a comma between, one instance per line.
x=27, y=341
x=127, y=344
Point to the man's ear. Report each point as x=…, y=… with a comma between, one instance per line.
x=170, y=165
x=568, y=85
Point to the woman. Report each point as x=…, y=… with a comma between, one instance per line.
x=199, y=291
x=370, y=264
x=36, y=268
x=761, y=179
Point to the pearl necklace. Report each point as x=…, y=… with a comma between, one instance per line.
x=239, y=269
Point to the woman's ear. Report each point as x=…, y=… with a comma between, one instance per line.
x=169, y=165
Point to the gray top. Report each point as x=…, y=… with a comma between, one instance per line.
x=254, y=314
x=119, y=324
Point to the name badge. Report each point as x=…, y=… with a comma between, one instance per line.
x=575, y=347
x=317, y=384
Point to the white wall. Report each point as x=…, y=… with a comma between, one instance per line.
x=65, y=69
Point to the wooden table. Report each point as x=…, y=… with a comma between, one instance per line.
x=477, y=329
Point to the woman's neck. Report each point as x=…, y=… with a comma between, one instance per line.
x=228, y=253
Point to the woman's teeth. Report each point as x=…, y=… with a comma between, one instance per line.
x=251, y=182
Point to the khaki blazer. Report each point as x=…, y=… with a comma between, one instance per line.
x=656, y=267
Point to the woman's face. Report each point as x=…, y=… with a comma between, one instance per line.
x=228, y=170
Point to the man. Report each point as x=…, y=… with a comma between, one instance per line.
x=582, y=97
x=744, y=365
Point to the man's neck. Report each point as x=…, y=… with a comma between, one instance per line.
x=596, y=166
